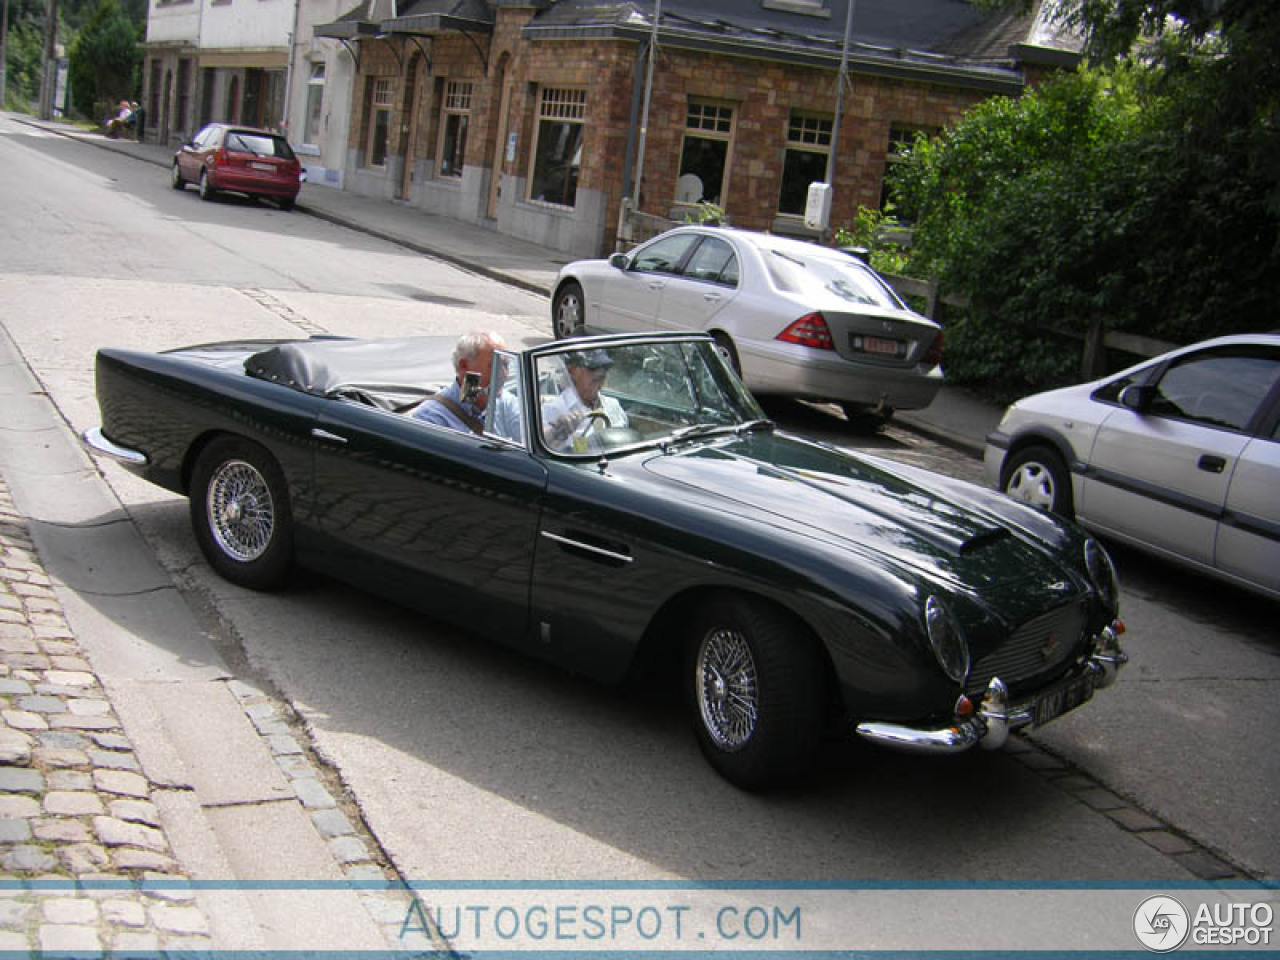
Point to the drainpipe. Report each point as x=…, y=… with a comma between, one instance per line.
x=288, y=70
x=644, y=116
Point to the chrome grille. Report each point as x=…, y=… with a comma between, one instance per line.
x=1039, y=646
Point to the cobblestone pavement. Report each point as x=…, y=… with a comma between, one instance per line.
x=86, y=863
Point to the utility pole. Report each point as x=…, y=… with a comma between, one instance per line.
x=4, y=48
x=49, y=77
x=840, y=85
x=644, y=113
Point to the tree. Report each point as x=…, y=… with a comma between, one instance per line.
x=1143, y=193
x=105, y=60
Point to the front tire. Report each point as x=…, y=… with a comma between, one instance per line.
x=175, y=177
x=1038, y=476
x=568, y=315
x=755, y=690
x=240, y=513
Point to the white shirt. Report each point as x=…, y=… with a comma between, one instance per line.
x=570, y=410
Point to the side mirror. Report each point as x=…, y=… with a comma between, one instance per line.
x=619, y=261
x=1137, y=397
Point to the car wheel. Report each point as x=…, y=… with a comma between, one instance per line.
x=567, y=314
x=1037, y=476
x=175, y=177
x=725, y=344
x=207, y=192
x=285, y=203
x=240, y=513
x=755, y=690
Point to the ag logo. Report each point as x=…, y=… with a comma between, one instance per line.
x=1161, y=923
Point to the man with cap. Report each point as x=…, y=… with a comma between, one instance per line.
x=574, y=421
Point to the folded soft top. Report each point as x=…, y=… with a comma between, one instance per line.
x=392, y=374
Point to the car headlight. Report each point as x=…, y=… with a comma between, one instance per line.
x=948, y=643
x=1102, y=572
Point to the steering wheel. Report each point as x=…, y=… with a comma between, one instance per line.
x=590, y=418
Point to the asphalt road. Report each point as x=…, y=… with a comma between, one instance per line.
x=470, y=762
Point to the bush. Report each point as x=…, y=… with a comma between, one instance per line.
x=1079, y=202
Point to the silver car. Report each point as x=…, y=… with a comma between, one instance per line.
x=1179, y=456
x=796, y=319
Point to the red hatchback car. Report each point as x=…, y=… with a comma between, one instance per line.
x=239, y=159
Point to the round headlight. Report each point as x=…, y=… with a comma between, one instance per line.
x=1102, y=572
x=948, y=643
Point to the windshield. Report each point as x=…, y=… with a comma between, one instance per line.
x=596, y=399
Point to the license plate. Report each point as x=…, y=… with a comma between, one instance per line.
x=1062, y=699
x=264, y=167
x=881, y=345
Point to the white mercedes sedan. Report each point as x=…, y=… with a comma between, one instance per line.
x=1179, y=456
x=795, y=319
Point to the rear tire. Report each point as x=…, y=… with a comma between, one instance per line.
x=568, y=313
x=754, y=685
x=240, y=513
x=207, y=192
x=285, y=203
x=1038, y=476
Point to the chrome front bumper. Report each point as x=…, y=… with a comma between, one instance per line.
x=995, y=718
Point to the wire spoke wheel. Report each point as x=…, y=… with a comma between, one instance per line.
x=728, y=688
x=241, y=511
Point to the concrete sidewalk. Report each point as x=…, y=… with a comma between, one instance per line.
x=955, y=418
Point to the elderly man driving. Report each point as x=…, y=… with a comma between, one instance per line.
x=573, y=422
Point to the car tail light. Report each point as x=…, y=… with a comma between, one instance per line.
x=809, y=331
x=220, y=158
x=933, y=356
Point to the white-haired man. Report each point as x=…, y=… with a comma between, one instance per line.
x=462, y=404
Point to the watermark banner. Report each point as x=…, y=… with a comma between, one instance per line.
x=487, y=920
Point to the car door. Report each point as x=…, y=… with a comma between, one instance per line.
x=630, y=298
x=707, y=283
x=191, y=155
x=439, y=519
x=1160, y=475
x=1248, y=544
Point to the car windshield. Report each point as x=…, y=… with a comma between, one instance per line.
x=598, y=399
x=809, y=274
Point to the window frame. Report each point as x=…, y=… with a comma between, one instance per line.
x=381, y=102
x=814, y=146
x=710, y=110
x=313, y=116
x=569, y=107
x=455, y=104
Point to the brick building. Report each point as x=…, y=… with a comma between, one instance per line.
x=528, y=115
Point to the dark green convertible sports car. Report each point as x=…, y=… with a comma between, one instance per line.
x=626, y=497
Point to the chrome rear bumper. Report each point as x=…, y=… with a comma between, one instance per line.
x=94, y=439
x=995, y=718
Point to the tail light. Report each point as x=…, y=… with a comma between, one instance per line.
x=809, y=331
x=933, y=356
x=220, y=158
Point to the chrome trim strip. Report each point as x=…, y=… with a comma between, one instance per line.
x=578, y=544
x=326, y=435
x=94, y=439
